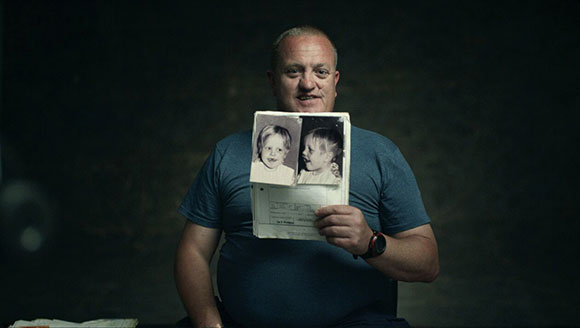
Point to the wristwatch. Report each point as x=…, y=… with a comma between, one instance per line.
x=377, y=246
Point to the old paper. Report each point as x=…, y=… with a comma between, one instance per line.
x=321, y=168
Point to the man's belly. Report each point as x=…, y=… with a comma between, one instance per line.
x=292, y=283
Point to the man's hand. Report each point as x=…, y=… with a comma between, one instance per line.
x=344, y=226
x=411, y=255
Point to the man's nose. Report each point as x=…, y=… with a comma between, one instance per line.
x=306, y=82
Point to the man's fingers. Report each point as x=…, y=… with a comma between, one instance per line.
x=336, y=231
x=344, y=226
x=332, y=220
x=338, y=241
x=333, y=209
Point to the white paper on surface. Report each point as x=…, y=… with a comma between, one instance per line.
x=55, y=323
x=287, y=212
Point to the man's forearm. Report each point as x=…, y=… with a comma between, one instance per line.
x=193, y=280
x=409, y=258
x=411, y=255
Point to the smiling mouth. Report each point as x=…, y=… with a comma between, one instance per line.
x=307, y=97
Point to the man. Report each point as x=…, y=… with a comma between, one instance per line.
x=288, y=283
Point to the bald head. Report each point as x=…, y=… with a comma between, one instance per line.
x=298, y=31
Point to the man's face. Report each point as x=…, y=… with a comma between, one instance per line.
x=305, y=77
x=314, y=158
x=273, y=151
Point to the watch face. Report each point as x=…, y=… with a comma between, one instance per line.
x=380, y=244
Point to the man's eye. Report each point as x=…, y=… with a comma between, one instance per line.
x=292, y=72
x=322, y=72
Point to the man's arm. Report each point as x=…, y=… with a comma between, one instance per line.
x=411, y=255
x=192, y=274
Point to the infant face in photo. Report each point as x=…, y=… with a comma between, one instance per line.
x=273, y=152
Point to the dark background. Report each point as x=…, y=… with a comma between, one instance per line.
x=111, y=108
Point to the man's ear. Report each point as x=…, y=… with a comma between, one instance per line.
x=336, y=77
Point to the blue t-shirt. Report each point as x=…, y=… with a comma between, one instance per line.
x=290, y=283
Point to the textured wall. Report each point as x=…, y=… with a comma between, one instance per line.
x=113, y=107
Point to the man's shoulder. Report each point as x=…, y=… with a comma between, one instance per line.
x=370, y=140
x=234, y=152
x=236, y=141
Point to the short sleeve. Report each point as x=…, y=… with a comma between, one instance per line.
x=401, y=205
x=202, y=203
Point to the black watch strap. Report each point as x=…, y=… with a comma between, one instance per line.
x=377, y=246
